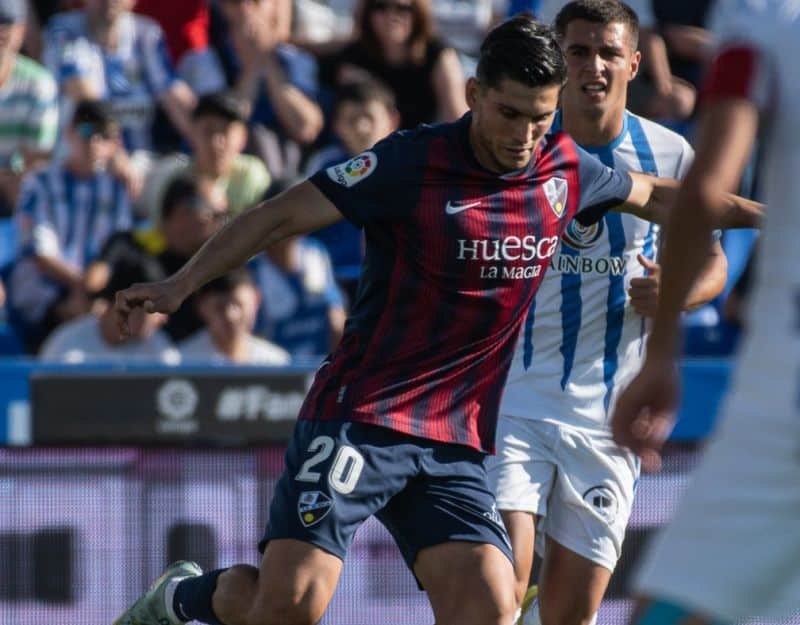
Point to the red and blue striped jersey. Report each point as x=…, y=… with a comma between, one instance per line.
x=454, y=256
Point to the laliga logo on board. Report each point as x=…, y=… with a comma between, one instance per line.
x=353, y=171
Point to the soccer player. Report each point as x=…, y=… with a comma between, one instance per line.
x=583, y=337
x=731, y=551
x=460, y=220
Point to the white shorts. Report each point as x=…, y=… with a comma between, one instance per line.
x=580, y=482
x=732, y=550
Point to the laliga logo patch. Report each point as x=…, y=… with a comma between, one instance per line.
x=313, y=506
x=555, y=190
x=355, y=170
x=604, y=502
x=581, y=237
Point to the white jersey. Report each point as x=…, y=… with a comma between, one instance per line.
x=760, y=45
x=581, y=340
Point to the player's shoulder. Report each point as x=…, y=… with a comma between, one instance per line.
x=659, y=137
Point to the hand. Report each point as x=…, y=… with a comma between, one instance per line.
x=644, y=291
x=122, y=168
x=643, y=415
x=253, y=36
x=154, y=297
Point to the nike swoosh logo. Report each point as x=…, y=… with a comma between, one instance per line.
x=452, y=209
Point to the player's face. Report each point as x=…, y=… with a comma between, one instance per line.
x=600, y=64
x=508, y=121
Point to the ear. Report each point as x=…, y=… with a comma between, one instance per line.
x=473, y=92
x=635, y=61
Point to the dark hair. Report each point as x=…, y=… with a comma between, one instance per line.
x=228, y=283
x=364, y=92
x=421, y=31
x=600, y=12
x=96, y=113
x=180, y=190
x=524, y=51
x=225, y=104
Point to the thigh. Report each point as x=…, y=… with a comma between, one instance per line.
x=467, y=583
x=447, y=501
x=586, y=580
x=591, y=501
x=522, y=472
x=337, y=474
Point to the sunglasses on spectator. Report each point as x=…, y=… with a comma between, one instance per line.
x=397, y=7
x=87, y=130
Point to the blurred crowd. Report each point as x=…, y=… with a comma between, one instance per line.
x=130, y=131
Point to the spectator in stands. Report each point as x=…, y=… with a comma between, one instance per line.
x=363, y=114
x=28, y=106
x=191, y=212
x=397, y=46
x=323, y=26
x=228, y=306
x=656, y=92
x=219, y=134
x=105, y=52
x=302, y=308
x=65, y=214
x=463, y=24
x=96, y=338
x=277, y=79
x=186, y=30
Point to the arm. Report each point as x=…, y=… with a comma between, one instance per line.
x=178, y=102
x=301, y=209
x=300, y=116
x=652, y=199
x=448, y=85
x=644, y=412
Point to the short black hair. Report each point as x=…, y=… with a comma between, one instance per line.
x=600, y=12
x=363, y=92
x=180, y=190
x=96, y=113
x=523, y=50
x=228, y=282
x=225, y=104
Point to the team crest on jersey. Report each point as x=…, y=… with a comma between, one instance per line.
x=355, y=170
x=313, y=506
x=555, y=190
x=603, y=501
x=580, y=237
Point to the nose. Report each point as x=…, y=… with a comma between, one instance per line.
x=523, y=132
x=595, y=64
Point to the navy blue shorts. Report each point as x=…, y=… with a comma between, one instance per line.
x=424, y=492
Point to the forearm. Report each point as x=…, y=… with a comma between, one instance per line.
x=739, y=212
x=300, y=117
x=710, y=283
x=654, y=51
x=63, y=273
x=178, y=103
x=689, y=239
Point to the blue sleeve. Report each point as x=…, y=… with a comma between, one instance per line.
x=301, y=70
x=601, y=188
x=375, y=185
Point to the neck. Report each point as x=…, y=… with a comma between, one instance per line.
x=235, y=349
x=592, y=131
x=395, y=54
x=6, y=65
x=78, y=168
x=103, y=31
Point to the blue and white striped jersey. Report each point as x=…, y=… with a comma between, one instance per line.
x=62, y=216
x=131, y=77
x=581, y=341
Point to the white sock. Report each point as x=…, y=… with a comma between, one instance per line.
x=169, y=595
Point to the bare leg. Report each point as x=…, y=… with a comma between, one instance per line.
x=468, y=583
x=293, y=586
x=521, y=527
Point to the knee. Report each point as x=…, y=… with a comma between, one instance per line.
x=491, y=606
x=286, y=606
x=236, y=591
x=574, y=611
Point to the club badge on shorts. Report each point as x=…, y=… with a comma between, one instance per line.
x=313, y=506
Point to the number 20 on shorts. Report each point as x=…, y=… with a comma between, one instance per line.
x=344, y=471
